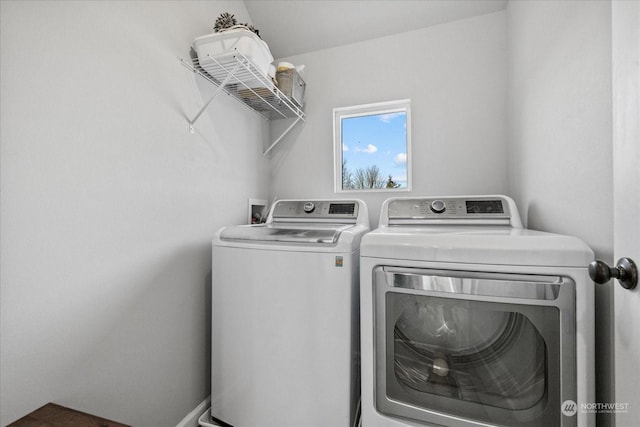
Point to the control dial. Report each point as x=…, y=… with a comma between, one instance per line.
x=309, y=207
x=438, y=206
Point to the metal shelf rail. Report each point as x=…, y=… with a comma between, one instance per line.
x=239, y=77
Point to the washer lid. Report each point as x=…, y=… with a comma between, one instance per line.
x=285, y=232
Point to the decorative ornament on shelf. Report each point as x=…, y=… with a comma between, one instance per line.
x=227, y=21
x=252, y=29
x=224, y=21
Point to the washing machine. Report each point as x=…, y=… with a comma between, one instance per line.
x=469, y=319
x=285, y=318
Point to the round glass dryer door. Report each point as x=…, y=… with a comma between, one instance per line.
x=456, y=349
x=447, y=344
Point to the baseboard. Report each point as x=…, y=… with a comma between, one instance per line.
x=191, y=420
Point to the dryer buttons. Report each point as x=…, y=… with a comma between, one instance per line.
x=438, y=206
x=309, y=207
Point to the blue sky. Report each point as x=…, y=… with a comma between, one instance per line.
x=379, y=139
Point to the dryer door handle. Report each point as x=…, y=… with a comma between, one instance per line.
x=625, y=271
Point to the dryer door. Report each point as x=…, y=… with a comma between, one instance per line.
x=474, y=347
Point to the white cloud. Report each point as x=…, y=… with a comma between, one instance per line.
x=400, y=159
x=344, y=147
x=386, y=118
x=370, y=149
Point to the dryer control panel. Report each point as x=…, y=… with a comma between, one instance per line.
x=458, y=210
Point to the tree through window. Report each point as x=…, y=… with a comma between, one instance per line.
x=371, y=146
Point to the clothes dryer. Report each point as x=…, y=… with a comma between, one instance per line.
x=469, y=319
x=285, y=318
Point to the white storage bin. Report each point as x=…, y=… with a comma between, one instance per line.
x=224, y=45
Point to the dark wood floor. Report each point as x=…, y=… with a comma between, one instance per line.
x=52, y=415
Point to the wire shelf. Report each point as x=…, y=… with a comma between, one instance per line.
x=243, y=81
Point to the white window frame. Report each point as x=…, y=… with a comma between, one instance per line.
x=403, y=105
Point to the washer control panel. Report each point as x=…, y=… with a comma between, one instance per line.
x=449, y=208
x=315, y=209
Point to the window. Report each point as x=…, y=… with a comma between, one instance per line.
x=372, y=147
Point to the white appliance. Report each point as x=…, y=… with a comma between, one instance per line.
x=468, y=319
x=285, y=319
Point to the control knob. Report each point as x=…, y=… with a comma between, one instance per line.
x=438, y=206
x=309, y=207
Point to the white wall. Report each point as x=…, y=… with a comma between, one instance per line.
x=455, y=75
x=560, y=131
x=560, y=117
x=109, y=205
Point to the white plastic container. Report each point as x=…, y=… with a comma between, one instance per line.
x=223, y=45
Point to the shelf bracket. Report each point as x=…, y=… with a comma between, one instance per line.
x=218, y=89
x=264, y=97
x=281, y=136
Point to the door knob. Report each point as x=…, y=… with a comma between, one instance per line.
x=625, y=271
